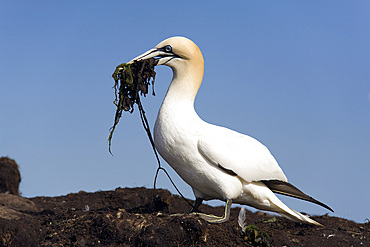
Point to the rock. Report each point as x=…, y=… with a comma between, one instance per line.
x=18, y=203
x=18, y=229
x=9, y=176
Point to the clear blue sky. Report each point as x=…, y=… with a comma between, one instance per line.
x=295, y=75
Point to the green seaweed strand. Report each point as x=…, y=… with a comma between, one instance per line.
x=122, y=69
x=130, y=81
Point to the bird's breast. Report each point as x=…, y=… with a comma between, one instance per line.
x=176, y=135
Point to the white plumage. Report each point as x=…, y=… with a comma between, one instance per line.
x=216, y=162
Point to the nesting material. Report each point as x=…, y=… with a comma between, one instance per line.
x=131, y=80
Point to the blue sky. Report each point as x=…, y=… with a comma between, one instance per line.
x=294, y=75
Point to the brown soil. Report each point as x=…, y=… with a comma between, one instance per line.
x=144, y=217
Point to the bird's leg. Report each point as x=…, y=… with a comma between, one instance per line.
x=216, y=219
x=194, y=208
x=197, y=203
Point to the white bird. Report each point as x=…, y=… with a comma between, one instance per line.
x=218, y=163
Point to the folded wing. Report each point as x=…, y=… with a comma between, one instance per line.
x=241, y=155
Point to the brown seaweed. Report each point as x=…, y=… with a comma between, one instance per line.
x=130, y=82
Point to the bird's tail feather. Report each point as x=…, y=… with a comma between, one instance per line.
x=291, y=214
x=260, y=196
x=288, y=189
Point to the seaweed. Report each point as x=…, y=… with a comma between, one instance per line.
x=254, y=236
x=131, y=80
x=251, y=233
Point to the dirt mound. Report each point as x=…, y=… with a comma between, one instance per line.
x=144, y=217
x=9, y=176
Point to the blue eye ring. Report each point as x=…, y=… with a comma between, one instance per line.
x=167, y=48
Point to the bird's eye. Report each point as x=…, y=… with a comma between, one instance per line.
x=168, y=48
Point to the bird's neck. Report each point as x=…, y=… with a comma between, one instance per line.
x=185, y=83
x=177, y=113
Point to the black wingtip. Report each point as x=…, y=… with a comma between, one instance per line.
x=287, y=189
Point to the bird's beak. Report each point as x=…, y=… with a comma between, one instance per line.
x=152, y=53
x=158, y=54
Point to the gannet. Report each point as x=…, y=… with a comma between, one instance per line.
x=218, y=163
